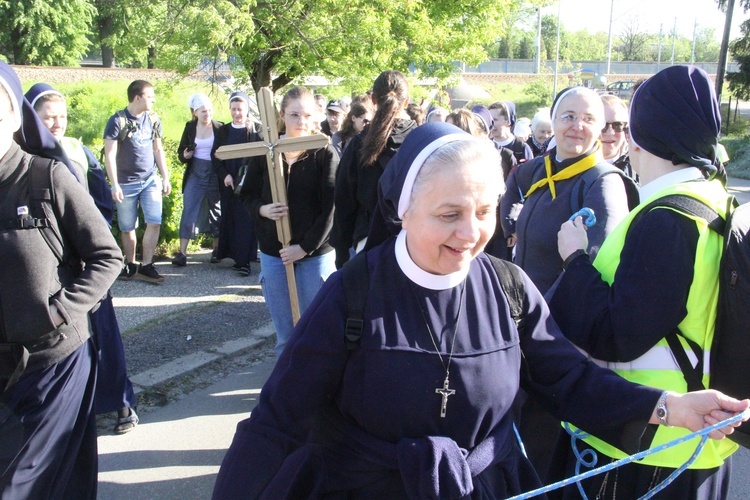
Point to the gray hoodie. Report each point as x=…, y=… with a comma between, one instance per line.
x=30, y=276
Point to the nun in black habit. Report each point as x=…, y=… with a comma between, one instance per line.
x=421, y=408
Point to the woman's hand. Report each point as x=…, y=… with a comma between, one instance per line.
x=700, y=409
x=228, y=181
x=273, y=211
x=291, y=254
x=571, y=237
x=187, y=154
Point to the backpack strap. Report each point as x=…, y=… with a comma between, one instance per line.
x=693, y=374
x=590, y=176
x=695, y=207
x=512, y=283
x=356, y=283
x=41, y=192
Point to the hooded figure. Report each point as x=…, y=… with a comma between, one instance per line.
x=616, y=306
x=32, y=136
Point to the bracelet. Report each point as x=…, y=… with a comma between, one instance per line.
x=573, y=257
x=113, y=187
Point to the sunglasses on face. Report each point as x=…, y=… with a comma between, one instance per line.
x=616, y=126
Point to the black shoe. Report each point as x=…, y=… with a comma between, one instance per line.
x=214, y=259
x=149, y=273
x=128, y=271
x=243, y=271
x=180, y=260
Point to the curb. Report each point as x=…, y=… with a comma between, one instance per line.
x=180, y=367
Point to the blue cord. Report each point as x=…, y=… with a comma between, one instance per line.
x=590, y=216
x=632, y=458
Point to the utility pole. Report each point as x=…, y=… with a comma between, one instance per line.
x=557, y=50
x=658, y=56
x=609, y=38
x=722, y=67
x=539, y=40
x=674, y=38
x=695, y=34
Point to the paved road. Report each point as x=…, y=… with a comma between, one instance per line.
x=176, y=452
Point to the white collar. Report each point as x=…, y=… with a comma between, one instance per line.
x=234, y=125
x=419, y=275
x=678, y=176
x=504, y=143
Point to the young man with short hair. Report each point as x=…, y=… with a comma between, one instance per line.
x=132, y=152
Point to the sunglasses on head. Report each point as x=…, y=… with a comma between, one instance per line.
x=616, y=126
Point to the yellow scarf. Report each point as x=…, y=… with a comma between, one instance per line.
x=568, y=172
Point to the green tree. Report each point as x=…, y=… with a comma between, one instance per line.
x=505, y=48
x=706, y=46
x=526, y=46
x=43, y=32
x=280, y=41
x=549, y=36
x=739, y=81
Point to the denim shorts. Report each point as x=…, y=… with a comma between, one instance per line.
x=148, y=194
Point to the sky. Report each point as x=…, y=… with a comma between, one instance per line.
x=649, y=13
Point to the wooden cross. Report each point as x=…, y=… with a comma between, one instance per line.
x=273, y=147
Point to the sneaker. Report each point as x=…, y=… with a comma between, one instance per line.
x=180, y=260
x=243, y=271
x=149, y=273
x=128, y=271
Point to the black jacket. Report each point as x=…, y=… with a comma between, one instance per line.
x=310, y=185
x=188, y=141
x=357, y=189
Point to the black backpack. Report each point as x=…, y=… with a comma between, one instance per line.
x=730, y=349
x=40, y=214
x=356, y=283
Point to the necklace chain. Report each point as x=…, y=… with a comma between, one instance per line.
x=445, y=391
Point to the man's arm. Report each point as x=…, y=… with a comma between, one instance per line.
x=161, y=163
x=110, y=160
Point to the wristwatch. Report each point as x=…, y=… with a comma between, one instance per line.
x=661, y=410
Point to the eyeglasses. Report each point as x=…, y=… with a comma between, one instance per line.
x=296, y=117
x=570, y=118
x=616, y=126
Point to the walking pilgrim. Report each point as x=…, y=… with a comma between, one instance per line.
x=420, y=406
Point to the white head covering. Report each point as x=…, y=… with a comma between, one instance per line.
x=196, y=101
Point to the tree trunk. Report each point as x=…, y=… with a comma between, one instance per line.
x=18, y=53
x=151, y=57
x=106, y=28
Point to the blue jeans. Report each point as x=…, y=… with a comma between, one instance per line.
x=149, y=194
x=310, y=273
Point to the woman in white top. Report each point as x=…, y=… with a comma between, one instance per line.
x=199, y=180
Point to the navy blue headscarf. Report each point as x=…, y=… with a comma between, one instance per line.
x=33, y=136
x=485, y=115
x=397, y=181
x=674, y=115
x=512, y=117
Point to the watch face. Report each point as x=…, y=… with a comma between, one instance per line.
x=661, y=413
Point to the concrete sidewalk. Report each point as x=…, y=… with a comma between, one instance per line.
x=201, y=313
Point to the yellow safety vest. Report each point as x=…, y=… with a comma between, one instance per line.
x=657, y=367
